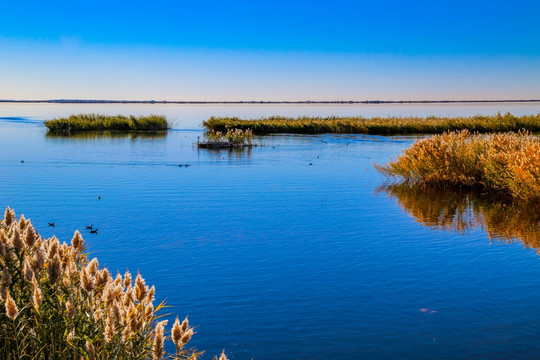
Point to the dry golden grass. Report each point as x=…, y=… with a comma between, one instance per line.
x=376, y=125
x=506, y=164
x=505, y=221
x=56, y=303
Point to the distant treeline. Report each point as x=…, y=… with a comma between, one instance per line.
x=376, y=125
x=83, y=101
x=88, y=122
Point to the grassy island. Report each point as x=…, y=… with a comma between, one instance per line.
x=376, y=125
x=56, y=303
x=98, y=122
x=233, y=138
x=506, y=163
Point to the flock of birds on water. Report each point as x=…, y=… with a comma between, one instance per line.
x=87, y=227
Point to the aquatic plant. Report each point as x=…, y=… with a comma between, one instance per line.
x=462, y=211
x=376, y=125
x=88, y=122
x=236, y=137
x=57, y=303
x=506, y=163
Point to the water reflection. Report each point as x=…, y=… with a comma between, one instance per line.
x=112, y=135
x=238, y=154
x=503, y=220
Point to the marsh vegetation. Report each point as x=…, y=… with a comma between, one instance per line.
x=99, y=122
x=57, y=303
x=506, y=163
x=235, y=138
x=376, y=125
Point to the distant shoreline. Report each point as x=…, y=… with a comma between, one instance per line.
x=67, y=101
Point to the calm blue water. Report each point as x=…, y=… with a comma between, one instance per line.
x=272, y=257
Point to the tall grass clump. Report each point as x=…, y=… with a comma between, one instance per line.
x=56, y=303
x=98, y=122
x=506, y=163
x=236, y=137
x=377, y=125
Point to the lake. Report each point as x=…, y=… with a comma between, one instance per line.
x=295, y=249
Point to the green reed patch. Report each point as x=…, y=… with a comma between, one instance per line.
x=376, y=125
x=89, y=122
x=56, y=303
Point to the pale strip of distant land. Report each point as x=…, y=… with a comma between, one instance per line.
x=83, y=101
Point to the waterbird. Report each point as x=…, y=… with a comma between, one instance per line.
x=99, y=197
x=89, y=226
x=310, y=163
x=51, y=223
x=22, y=161
x=324, y=142
x=94, y=231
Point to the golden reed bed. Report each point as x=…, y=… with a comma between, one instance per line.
x=507, y=164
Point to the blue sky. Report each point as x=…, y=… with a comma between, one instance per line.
x=279, y=50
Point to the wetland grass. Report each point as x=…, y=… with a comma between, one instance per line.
x=56, y=303
x=376, y=125
x=233, y=138
x=98, y=122
x=506, y=163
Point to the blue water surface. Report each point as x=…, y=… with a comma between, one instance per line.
x=283, y=251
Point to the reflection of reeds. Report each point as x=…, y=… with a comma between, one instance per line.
x=87, y=122
x=463, y=211
x=376, y=125
x=98, y=135
x=507, y=164
x=57, y=304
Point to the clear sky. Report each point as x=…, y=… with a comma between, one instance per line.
x=275, y=50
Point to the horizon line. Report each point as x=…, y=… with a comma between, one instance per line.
x=248, y=102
